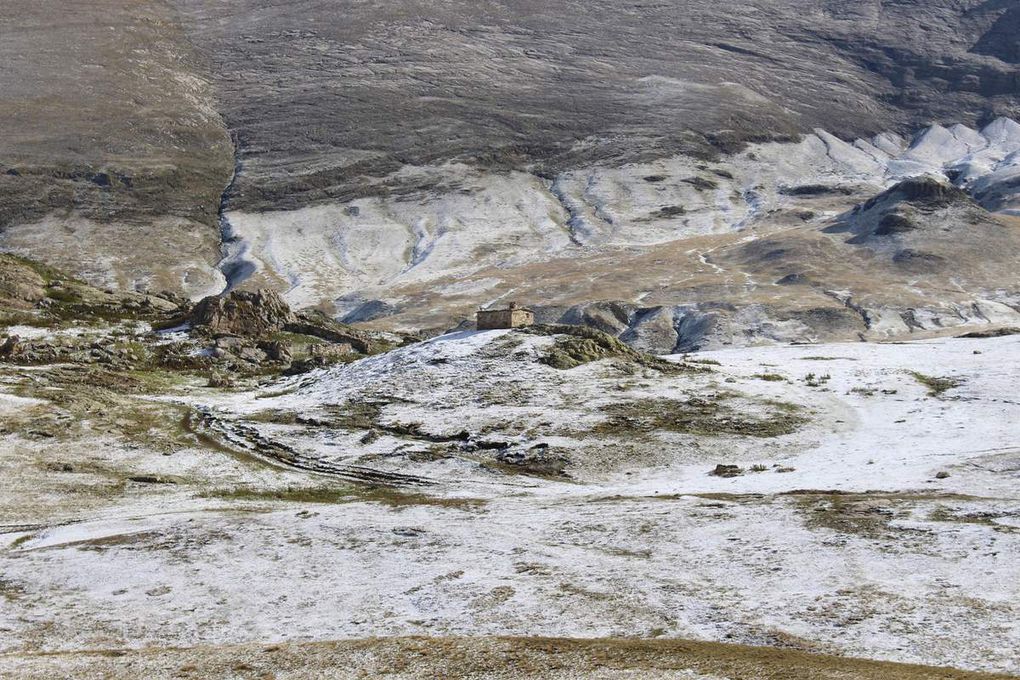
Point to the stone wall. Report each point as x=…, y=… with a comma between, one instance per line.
x=504, y=318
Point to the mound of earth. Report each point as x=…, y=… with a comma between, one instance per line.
x=548, y=401
x=910, y=205
x=927, y=225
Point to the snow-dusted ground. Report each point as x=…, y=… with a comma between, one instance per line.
x=892, y=437
x=901, y=565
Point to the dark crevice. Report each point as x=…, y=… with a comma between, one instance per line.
x=234, y=264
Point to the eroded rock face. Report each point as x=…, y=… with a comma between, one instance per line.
x=245, y=313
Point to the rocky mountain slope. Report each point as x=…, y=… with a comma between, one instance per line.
x=113, y=156
x=404, y=164
x=515, y=83
x=685, y=253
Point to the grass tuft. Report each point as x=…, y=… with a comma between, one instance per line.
x=936, y=385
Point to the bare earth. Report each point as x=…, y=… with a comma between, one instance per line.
x=414, y=658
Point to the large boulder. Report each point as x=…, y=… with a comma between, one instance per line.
x=247, y=313
x=316, y=324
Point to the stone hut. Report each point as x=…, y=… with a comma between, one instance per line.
x=511, y=317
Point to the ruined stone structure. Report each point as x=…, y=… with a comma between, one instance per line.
x=511, y=317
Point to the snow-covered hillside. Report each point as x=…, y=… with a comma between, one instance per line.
x=851, y=417
x=884, y=524
x=464, y=220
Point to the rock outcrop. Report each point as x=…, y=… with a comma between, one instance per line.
x=244, y=313
x=22, y=286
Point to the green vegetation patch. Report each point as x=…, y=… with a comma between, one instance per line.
x=943, y=513
x=812, y=380
x=871, y=515
x=274, y=416
x=21, y=317
x=44, y=271
x=21, y=540
x=357, y=415
x=579, y=345
x=853, y=514
x=936, y=385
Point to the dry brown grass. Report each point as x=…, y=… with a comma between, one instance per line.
x=472, y=658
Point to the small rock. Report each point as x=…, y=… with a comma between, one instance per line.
x=252, y=355
x=276, y=351
x=9, y=346
x=221, y=381
x=941, y=475
x=727, y=471
x=408, y=531
x=230, y=342
x=151, y=479
x=330, y=351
